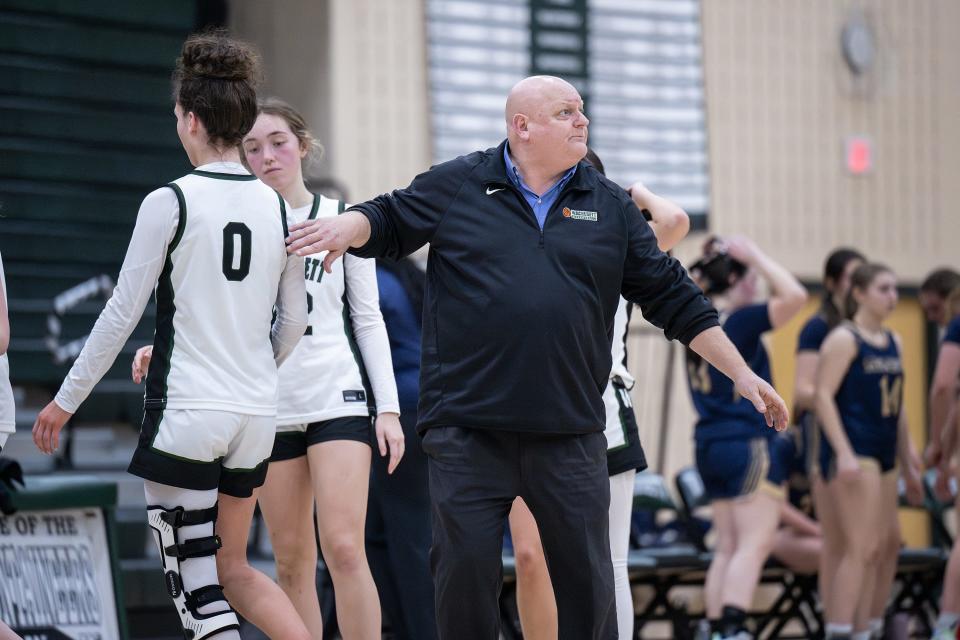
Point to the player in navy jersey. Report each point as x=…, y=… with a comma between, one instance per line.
x=732, y=445
x=839, y=267
x=858, y=397
x=943, y=423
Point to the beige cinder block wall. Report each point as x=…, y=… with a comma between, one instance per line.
x=358, y=71
x=781, y=102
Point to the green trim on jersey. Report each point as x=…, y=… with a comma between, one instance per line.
x=315, y=207
x=159, y=369
x=623, y=422
x=283, y=216
x=355, y=348
x=348, y=330
x=243, y=177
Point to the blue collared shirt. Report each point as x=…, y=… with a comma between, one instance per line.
x=539, y=203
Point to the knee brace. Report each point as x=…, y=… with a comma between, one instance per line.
x=166, y=523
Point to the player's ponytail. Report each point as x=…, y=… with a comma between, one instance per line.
x=860, y=281
x=716, y=271
x=833, y=270
x=216, y=78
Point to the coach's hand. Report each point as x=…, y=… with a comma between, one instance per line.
x=390, y=434
x=141, y=363
x=764, y=399
x=334, y=235
x=46, y=430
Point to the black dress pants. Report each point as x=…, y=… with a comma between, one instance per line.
x=475, y=474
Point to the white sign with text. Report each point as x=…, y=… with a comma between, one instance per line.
x=55, y=575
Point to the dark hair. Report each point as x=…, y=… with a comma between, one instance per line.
x=833, y=270
x=216, y=78
x=941, y=282
x=716, y=271
x=594, y=160
x=296, y=122
x=863, y=276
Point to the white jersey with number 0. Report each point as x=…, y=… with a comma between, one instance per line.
x=213, y=245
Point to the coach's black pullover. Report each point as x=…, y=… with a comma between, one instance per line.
x=517, y=321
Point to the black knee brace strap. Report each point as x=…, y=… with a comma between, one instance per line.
x=195, y=548
x=180, y=517
x=203, y=596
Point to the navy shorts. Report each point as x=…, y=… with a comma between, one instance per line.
x=882, y=455
x=733, y=468
x=292, y=443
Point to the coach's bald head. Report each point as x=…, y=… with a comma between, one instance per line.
x=545, y=123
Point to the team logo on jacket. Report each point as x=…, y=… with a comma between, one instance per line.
x=591, y=216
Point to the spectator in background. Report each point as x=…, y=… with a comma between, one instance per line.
x=398, y=517
x=943, y=411
x=934, y=290
x=839, y=267
x=733, y=447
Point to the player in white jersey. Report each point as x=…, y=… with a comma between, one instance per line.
x=535, y=597
x=7, y=410
x=212, y=244
x=341, y=367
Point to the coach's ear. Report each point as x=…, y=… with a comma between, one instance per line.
x=520, y=124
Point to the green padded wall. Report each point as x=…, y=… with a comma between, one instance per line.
x=86, y=131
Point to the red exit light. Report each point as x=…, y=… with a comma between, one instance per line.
x=859, y=156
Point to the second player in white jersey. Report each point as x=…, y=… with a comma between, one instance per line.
x=339, y=372
x=344, y=356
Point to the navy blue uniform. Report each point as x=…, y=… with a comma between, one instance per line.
x=869, y=401
x=788, y=465
x=732, y=439
x=952, y=333
x=812, y=335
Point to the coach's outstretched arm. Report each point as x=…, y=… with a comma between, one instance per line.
x=715, y=347
x=392, y=225
x=334, y=235
x=670, y=300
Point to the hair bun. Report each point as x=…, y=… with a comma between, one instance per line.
x=213, y=55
